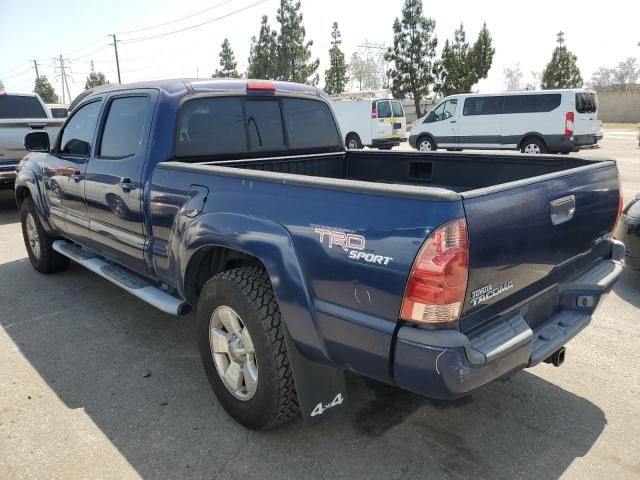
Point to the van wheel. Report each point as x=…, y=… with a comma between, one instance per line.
x=243, y=349
x=353, y=142
x=39, y=244
x=425, y=144
x=533, y=146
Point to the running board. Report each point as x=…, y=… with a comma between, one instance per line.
x=127, y=281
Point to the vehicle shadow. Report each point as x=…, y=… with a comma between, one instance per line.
x=628, y=286
x=137, y=374
x=8, y=210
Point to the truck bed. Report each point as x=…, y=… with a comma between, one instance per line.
x=456, y=172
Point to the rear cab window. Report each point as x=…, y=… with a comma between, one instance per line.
x=20, y=106
x=236, y=126
x=586, y=102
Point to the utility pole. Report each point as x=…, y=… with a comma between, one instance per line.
x=115, y=47
x=63, y=79
x=35, y=65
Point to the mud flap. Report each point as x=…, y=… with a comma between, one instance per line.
x=322, y=389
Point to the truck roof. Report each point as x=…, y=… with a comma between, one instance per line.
x=201, y=85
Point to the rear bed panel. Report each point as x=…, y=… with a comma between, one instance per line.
x=516, y=251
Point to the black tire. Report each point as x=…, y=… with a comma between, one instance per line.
x=532, y=146
x=44, y=259
x=353, y=142
x=426, y=144
x=248, y=292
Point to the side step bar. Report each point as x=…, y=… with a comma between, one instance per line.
x=127, y=281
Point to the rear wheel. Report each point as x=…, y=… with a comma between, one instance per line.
x=533, y=146
x=243, y=349
x=38, y=242
x=353, y=142
x=425, y=144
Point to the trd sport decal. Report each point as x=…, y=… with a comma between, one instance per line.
x=351, y=243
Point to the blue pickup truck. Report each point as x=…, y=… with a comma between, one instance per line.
x=434, y=272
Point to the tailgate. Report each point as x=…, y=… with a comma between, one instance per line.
x=524, y=237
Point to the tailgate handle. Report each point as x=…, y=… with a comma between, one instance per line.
x=562, y=209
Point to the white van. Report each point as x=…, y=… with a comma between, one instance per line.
x=367, y=123
x=547, y=121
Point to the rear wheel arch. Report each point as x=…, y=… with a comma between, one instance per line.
x=531, y=136
x=210, y=260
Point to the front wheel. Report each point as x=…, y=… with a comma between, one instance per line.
x=38, y=242
x=425, y=144
x=243, y=350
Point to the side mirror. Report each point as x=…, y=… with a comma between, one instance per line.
x=430, y=118
x=37, y=142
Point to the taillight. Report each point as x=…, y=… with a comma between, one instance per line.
x=438, y=281
x=374, y=112
x=568, y=123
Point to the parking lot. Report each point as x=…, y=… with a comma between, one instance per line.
x=96, y=384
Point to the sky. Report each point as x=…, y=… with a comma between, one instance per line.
x=599, y=33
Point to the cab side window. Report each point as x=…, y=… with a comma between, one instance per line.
x=122, y=134
x=445, y=110
x=78, y=132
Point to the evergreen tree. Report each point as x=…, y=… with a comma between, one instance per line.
x=482, y=53
x=228, y=62
x=262, y=56
x=1, y=85
x=562, y=71
x=461, y=67
x=45, y=90
x=293, y=52
x=336, y=76
x=94, y=79
x=413, y=51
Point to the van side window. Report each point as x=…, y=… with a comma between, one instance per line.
x=384, y=110
x=532, y=103
x=78, y=132
x=446, y=109
x=483, y=106
x=122, y=134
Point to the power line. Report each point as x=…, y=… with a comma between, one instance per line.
x=89, y=54
x=151, y=37
x=13, y=69
x=177, y=19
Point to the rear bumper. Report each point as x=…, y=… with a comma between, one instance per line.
x=566, y=143
x=447, y=364
x=7, y=175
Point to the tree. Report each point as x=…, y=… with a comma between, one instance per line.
x=562, y=71
x=262, y=56
x=602, y=78
x=94, y=79
x=45, y=90
x=293, y=51
x=336, y=77
x=461, y=67
x=228, y=62
x=413, y=51
x=626, y=73
x=365, y=72
x=513, y=77
x=1, y=85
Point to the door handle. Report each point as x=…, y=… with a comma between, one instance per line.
x=453, y=121
x=36, y=126
x=127, y=185
x=76, y=176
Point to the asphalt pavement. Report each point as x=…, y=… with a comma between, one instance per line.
x=96, y=384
